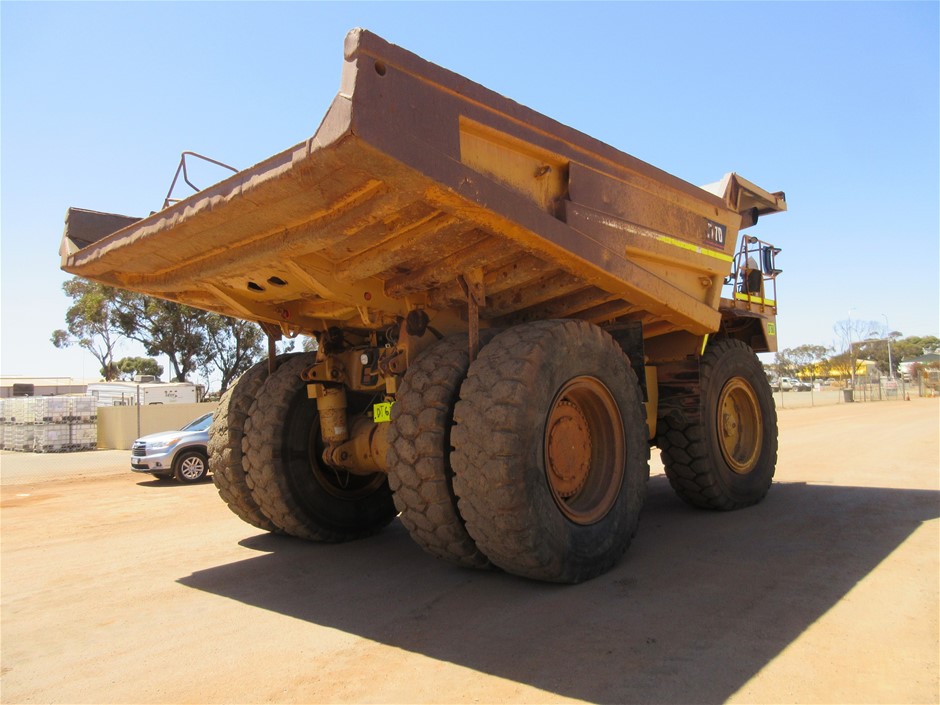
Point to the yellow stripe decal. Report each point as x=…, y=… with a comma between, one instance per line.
x=755, y=299
x=695, y=248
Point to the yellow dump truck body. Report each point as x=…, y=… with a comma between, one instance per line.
x=417, y=183
x=425, y=207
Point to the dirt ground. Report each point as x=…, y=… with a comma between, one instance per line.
x=120, y=589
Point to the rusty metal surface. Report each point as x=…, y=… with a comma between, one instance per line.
x=416, y=178
x=584, y=449
x=85, y=227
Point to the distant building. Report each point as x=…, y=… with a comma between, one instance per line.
x=122, y=393
x=16, y=386
x=863, y=368
x=924, y=360
x=144, y=393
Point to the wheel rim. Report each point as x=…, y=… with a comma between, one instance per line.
x=192, y=468
x=584, y=450
x=740, y=427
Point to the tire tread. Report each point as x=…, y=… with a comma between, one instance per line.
x=225, y=446
x=489, y=457
x=418, y=458
x=684, y=448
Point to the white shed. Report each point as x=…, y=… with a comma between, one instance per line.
x=143, y=393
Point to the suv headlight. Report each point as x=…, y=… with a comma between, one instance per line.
x=157, y=445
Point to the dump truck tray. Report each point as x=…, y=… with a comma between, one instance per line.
x=418, y=184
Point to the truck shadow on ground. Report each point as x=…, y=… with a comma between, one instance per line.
x=164, y=482
x=701, y=602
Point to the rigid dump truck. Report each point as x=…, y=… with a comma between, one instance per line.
x=508, y=314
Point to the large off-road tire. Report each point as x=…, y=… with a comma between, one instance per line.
x=550, y=451
x=420, y=473
x=285, y=471
x=726, y=459
x=225, y=445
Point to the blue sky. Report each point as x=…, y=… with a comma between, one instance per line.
x=834, y=103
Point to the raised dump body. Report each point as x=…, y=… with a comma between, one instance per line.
x=415, y=177
x=426, y=206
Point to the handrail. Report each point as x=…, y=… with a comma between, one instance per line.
x=182, y=169
x=754, y=277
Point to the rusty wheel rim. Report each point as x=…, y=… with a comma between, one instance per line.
x=584, y=450
x=740, y=427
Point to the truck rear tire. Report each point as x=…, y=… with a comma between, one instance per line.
x=550, y=451
x=420, y=472
x=293, y=487
x=727, y=459
x=225, y=446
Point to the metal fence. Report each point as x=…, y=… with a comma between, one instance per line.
x=865, y=390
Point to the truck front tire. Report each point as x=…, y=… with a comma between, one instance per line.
x=725, y=460
x=293, y=487
x=550, y=451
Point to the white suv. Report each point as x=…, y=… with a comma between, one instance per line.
x=792, y=384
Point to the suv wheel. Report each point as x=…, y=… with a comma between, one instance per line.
x=190, y=466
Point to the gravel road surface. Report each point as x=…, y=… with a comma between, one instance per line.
x=116, y=588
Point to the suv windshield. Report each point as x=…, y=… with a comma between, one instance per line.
x=200, y=424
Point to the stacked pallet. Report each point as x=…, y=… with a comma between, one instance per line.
x=48, y=424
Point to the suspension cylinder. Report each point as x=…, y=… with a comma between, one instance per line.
x=331, y=403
